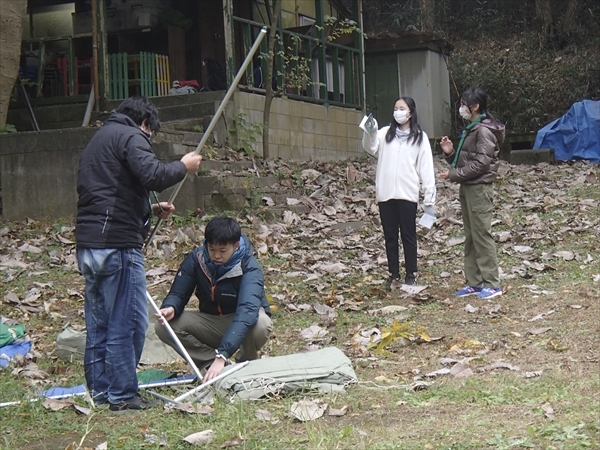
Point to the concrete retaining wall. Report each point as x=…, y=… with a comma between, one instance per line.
x=302, y=131
x=38, y=170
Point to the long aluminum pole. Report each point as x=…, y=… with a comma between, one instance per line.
x=215, y=119
x=182, y=349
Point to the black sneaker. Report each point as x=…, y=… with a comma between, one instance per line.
x=411, y=279
x=390, y=280
x=135, y=403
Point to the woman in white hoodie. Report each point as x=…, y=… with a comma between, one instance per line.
x=404, y=165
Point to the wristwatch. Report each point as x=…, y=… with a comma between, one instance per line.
x=219, y=355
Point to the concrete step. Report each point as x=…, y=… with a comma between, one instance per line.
x=187, y=111
x=48, y=117
x=176, y=136
x=242, y=180
x=198, y=108
x=228, y=165
x=279, y=195
x=169, y=151
x=532, y=157
x=275, y=213
x=174, y=100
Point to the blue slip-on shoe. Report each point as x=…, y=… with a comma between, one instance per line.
x=487, y=293
x=468, y=290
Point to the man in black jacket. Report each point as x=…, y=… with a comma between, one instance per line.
x=234, y=312
x=117, y=169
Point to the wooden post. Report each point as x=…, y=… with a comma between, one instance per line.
x=41, y=65
x=320, y=21
x=103, y=78
x=95, y=55
x=359, y=43
x=72, y=69
x=229, y=38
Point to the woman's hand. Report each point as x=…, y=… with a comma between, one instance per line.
x=165, y=315
x=447, y=145
x=444, y=175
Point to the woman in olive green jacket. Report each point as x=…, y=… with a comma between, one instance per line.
x=474, y=164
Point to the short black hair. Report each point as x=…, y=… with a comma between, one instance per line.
x=140, y=109
x=222, y=230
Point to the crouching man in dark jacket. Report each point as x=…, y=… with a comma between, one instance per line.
x=234, y=312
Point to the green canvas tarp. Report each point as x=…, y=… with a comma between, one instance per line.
x=326, y=371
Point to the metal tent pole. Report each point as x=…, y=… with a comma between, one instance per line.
x=182, y=349
x=215, y=119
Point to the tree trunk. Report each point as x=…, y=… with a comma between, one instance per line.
x=543, y=12
x=568, y=20
x=274, y=10
x=428, y=15
x=12, y=13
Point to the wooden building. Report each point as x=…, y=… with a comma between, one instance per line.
x=127, y=47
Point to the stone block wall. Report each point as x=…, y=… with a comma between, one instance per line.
x=304, y=131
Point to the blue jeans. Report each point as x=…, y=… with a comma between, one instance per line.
x=116, y=318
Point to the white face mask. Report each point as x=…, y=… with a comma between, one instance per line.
x=464, y=112
x=401, y=117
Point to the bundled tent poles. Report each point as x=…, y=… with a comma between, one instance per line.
x=225, y=373
x=83, y=392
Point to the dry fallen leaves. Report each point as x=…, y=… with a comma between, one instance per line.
x=200, y=438
x=306, y=410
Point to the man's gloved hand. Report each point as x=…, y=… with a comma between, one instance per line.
x=429, y=210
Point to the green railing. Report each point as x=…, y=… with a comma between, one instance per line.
x=307, y=68
x=132, y=74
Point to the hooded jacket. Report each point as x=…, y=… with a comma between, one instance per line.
x=478, y=160
x=117, y=169
x=239, y=291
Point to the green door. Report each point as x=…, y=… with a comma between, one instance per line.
x=381, y=73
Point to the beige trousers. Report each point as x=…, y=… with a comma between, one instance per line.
x=201, y=333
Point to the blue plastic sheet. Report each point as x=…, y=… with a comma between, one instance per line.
x=9, y=351
x=576, y=135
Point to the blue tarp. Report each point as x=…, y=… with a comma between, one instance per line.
x=576, y=135
x=9, y=351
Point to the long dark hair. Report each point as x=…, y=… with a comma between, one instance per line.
x=473, y=96
x=415, y=129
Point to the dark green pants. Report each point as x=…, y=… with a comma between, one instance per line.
x=200, y=334
x=481, y=260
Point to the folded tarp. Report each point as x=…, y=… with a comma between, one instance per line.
x=327, y=371
x=70, y=346
x=576, y=135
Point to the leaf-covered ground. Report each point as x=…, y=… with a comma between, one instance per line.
x=435, y=372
